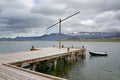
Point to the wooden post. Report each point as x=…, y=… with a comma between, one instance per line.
x=72, y=57
x=60, y=26
x=69, y=58
x=55, y=64
x=60, y=34
x=34, y=66
x=76, y=55
x=68, y=49
x=62, y=46
x=64, y=59
x=83, y=52
x=53, y=45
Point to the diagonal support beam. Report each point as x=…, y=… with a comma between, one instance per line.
x=60, y=26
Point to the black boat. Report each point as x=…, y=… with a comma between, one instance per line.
x=98, y=53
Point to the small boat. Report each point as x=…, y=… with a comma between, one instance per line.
x=98, y=53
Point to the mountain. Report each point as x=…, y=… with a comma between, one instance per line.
x=51, y=37
x=55, y=36
x=46, y=37
x=98, y=34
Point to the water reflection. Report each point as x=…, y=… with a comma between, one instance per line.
x=63, y=68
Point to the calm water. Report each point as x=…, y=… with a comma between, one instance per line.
x=91, y=68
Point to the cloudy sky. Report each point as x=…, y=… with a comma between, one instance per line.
x=32, y=17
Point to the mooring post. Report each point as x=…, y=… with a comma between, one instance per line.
x=53, y=45
x=62, y=46
x=68, y=49
x=83, y=52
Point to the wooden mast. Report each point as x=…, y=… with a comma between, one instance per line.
x=60, y=39
x=60, y=26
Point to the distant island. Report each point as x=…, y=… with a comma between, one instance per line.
x=81, y=36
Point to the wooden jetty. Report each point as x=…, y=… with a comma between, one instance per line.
x=10, y=62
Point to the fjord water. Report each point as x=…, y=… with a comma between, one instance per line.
x=90, y=68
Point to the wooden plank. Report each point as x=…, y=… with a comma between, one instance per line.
x=35, y=73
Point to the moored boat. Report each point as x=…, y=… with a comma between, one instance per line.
x=98, y=53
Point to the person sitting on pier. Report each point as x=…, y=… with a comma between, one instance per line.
x=33, y=48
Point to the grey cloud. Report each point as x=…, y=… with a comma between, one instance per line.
x=17, y=16
x=111, y=5
x=11, y=4
x=17, y=20
x=117, y=16
x=54, y=7
x=0, y=10
x=47, y=10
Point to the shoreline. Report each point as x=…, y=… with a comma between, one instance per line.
x=112, y=39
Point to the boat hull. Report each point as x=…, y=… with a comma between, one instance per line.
x=97, y=54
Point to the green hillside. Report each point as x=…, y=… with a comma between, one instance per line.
x=112, y=39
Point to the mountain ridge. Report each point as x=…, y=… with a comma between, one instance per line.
x=55, y=36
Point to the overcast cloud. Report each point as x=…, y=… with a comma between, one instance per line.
x=32, y=17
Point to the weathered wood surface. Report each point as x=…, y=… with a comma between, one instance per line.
x=29, y=56
x=8, y=73
x=11, y=73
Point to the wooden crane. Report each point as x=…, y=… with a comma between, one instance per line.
x=59, y=22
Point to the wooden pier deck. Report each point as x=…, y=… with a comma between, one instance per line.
x=8, y=62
